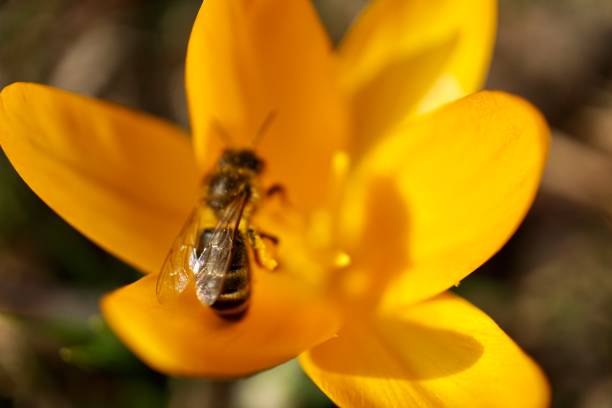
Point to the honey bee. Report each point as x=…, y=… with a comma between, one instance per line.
x=211, y=249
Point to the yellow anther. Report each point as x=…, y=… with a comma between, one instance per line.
x=342, y=259
x=319, y=231
x=341, y=162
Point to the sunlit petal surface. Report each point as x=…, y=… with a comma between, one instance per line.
x=125, y=180
x=443, y=352
x=185, y=338
x=249, y=58
x=439, y=196
x=410, y=56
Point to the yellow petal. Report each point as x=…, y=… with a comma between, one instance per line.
x=186, y=338
x=410, y=56
x=440, y=353
x=441, y=195
x=249, y=58
x=125, y=180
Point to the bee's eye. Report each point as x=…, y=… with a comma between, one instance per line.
x=247, y=159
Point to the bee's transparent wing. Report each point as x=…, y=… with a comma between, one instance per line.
x=177, y=269
x=217, y=251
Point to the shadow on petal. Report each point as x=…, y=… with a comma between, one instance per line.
x=182, y=337
x=452, y=187
x=382, y=254
x=396, y=349
x=395, y=90
x=440, y=352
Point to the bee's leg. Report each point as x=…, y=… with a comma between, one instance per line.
x=262, y=255
x=272, y=238
x=277, y=189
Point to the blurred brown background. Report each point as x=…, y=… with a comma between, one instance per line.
x=550, y=288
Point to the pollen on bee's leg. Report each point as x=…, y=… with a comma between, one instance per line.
x=268, y=262
x=262, y=255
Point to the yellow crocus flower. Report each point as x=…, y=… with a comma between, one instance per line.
x=401, y=183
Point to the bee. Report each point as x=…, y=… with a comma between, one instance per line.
x=211, y=248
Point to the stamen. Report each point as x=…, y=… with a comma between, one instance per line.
x=355, y=283
x=319, y=231
x=341, y=260
x=341, y=162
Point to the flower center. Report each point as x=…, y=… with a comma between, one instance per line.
x=309, y=244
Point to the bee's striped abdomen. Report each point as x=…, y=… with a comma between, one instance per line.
x=233, y=301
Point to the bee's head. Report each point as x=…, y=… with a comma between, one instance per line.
x=241, y=158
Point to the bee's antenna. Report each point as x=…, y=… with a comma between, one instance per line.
x=220, y=130
x=265, y=125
